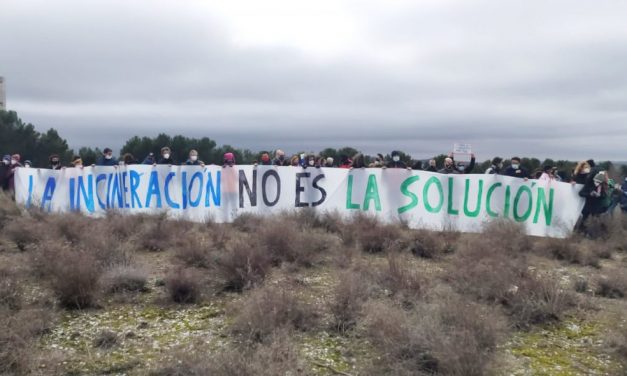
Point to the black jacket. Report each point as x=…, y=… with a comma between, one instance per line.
x=164, y=161
x=399, y=164
x=516, y=173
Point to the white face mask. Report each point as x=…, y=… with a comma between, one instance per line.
x=27, y=166
x=193, y=158
x=108, y=156
x=586, y=170
x=312, y=162
x=13, y=162
x=461, y=167
x=166, y=156
x=515, y=166
x=597, y=183
x=396, y=158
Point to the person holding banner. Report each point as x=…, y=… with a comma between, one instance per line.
x=279, y=158
x=396, y=161
x=166, y=157
x=107, y=158
x=495, y=167
x=55, y=162
x=193, y=159
x=515, y=170
x=432, y=166
x=229, y=160
x=460, y=168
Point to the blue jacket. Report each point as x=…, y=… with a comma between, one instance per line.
x=102, y=161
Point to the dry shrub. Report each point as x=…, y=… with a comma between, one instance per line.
x=617, y=342
x=183, y=285
x=24, y=231
x=538, y=299
x=370, y=234
x=599, y=227
x=401, y=278
x=449, y=337
x=242, y=265
x=428, y=244
x=8, y=208
x=287, y=242
x=74, y=278
x=349, y=295
x=125, y=279
x=18, y=336
x=248, y=223
x=269, y=309
x=71, y=227
x=158, y=233
x=502, y=276
x=279, y=356
x=106, y=339
x=123, y=226
x=506, y=236
x=194, y=252
x=613, y=284
x=10, y=291
x=574, y=251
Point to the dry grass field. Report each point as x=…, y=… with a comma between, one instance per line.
x=306, y=294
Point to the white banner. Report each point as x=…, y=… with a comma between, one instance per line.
x=419, y=198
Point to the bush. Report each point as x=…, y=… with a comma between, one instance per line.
x=451, y=337
x=400, y=277
x=106, y=339
x=612, y=285
x=570, y=250
x=242, y=265
x=183, y=286
x=428, y=244
x=10, y=291
x=349, y=295
x=379, y=238
x=74, y=278
x=125, y=279
x=279, y=357
x=270, y=309
x=194, y=253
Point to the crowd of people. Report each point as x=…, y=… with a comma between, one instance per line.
x=602, y=193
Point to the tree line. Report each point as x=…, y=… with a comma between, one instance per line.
x=22, y=138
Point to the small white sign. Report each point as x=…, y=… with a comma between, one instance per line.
x=462, y=152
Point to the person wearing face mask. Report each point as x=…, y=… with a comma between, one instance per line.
x=279, y=158
x=515, y=170
x=28, y=164
x=265, y=159
x=193, y=159
x=150, y=159
x=450, y=167
x=432, y=166
x=310, y=161
x=358, y=161
x=329, y=162
x=229, y=160
x=54, y=162
x=496, y=166
x=107, y=158
x=166, y=157
x=396, y=161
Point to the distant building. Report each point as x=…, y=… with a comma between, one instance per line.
x=3, y=96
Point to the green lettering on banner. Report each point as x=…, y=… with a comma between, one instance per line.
x=450, y=208
x=349, y=195
x=546, y=207
x=425, y=195
x=405, y=191
x=508, y=196
x=372, y=194
x=488, y=199
x=472, y=213
x=525, y=216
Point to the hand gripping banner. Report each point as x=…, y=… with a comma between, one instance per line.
x=419, y=198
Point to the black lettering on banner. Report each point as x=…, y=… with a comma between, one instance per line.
x=264, y=179
x=243, y=183
x=300, y=188
x=323, y=192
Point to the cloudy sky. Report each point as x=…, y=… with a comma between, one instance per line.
x=527, y=77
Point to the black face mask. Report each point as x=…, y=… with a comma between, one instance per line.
x=54, y=163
